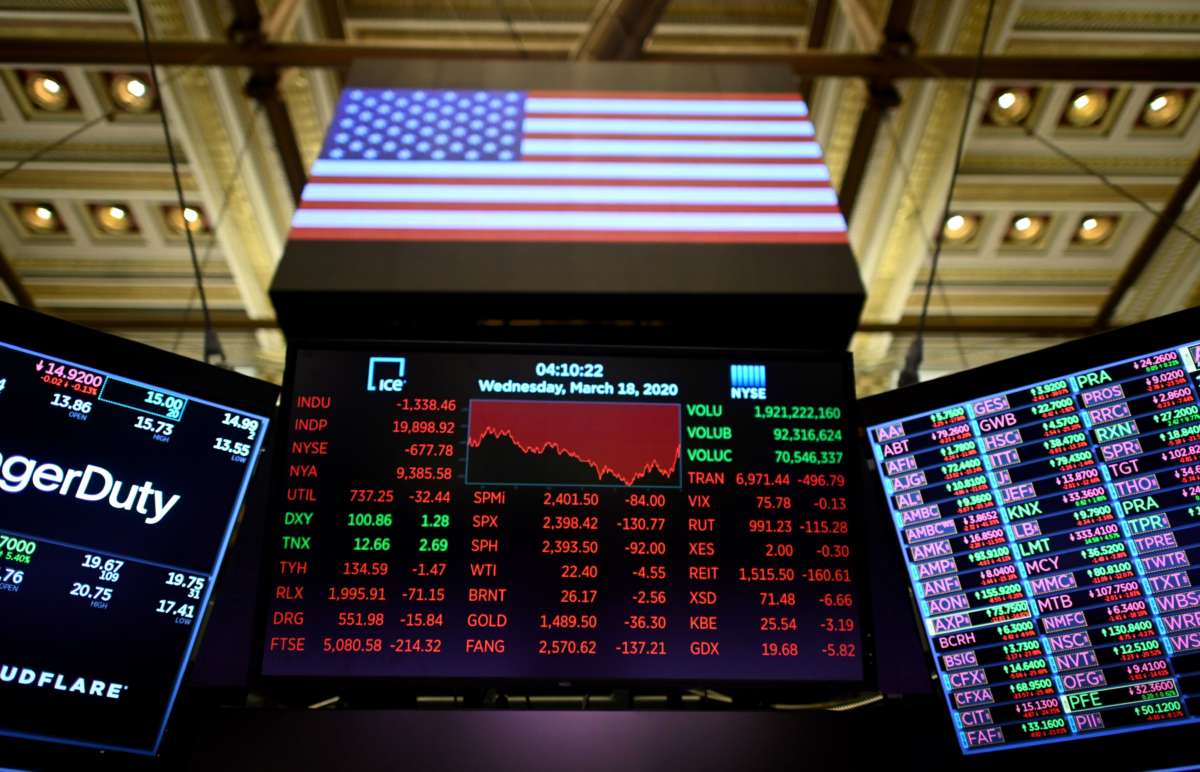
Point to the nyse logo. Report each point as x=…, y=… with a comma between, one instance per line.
x=748, y=381
x=386, y=374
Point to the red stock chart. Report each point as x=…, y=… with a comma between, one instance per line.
x=573, y=443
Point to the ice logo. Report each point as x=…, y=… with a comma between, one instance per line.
x=386, y=374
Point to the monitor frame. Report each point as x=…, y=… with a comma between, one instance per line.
x=1007, y=374
x=389, y=691
x=75, y=344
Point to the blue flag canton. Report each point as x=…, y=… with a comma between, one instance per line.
x=426, y=125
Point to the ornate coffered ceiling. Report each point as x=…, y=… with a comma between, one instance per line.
x=139, y=282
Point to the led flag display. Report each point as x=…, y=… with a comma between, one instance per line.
x=562, y=165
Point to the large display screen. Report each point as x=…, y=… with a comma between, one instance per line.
x=476, y=164
x=516, y=513
x=485, y=183
x=122, y=470
x=1052, y=534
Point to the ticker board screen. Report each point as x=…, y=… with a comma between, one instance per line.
x=1052, y=536
x=516, y=513
x=117, y=498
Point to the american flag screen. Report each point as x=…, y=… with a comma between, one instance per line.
x=513, y=165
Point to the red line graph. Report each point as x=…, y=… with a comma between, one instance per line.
x=624, y=441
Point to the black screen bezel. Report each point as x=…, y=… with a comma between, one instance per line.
x=55, y=337
x=391, y=691
x=1016, y=372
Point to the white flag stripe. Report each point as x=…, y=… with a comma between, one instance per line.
x=568, y=194
x=642, y=221
x=668, y=149
x=681, y=128
x=573, y=170
x=764, y=107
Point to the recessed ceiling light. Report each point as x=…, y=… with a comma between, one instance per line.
x=188, y=218
x=114, y=219
x=1010, y=106
x=960, y=227
x=1164, y=108
x=1095, y=229
x=1087, y=107
x=47, y=92
x=1025, y=228
x=39, y=218
x=131, y=93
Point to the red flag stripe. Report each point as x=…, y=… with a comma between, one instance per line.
x=668, y=117
x=517, y=206
x=715, y=96
x=538, y=182
x=668, y=137
x=666, y=159
x=402, y=234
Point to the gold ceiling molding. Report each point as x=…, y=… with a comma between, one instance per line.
x=1089, y=19
x=702, y=45
x=119, y=29
x=852, y=98
x=1016, y=293
x=86, y=6
x=68, y=268
x=944, y=352
x=205, y=117
x=1041, y=274
x=141, y=292
x=740, y=12
x=239, y=346
x=492, y=42
x=556, y=10
x=1010, y=301
x=1029, y=192
x=876, y=381
x=1141, y=49
x=297, y=93
x=116, y=181
x=1046, y=163
x=202, y=114
x=1175, y=261
x=890, y=280
x=142, y=152
x=945, y=114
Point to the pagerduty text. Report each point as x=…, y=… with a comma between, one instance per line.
x=93, y=483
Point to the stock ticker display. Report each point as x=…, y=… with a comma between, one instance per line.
x=1051, y=536
x=117, y=498
x=524, y=514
